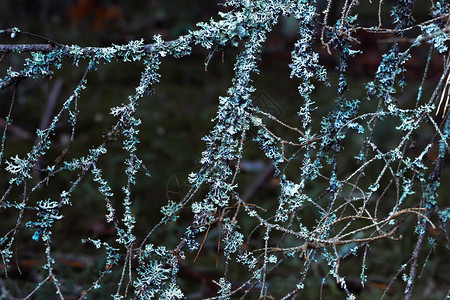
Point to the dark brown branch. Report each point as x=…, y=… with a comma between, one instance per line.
x=67, y=51
x=50, y=47
x=8, y=48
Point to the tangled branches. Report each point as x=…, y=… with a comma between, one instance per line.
x=338, y=203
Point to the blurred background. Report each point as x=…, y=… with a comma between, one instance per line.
x=173, y=122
